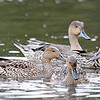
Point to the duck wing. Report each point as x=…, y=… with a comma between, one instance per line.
x=20, y=69
x=84, y=53
x=35, y=48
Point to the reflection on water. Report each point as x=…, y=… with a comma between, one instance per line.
x=28, y=89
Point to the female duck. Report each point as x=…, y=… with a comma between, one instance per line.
x=73, y=74
x=33, y=49
x=28, y=69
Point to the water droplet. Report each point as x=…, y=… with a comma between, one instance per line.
x=32, y=39
x=26, y=35
x=2, y=44
x=93, y=39
x=20, y=0
x=1, y=0
x=14, y=51
x=26, y=14
x=18, y=40
x=46, y=34
x=3, y=50
x=44, y=25
x=55, y=37
x=81, y=0
x=41, y=0
x=45, y=13
x=97, y=47
x=17, y=55
x=57, y=1
x=65, y=37
x=10, y=0
x=52, y=37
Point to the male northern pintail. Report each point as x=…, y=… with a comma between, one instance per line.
x=28, y=69
x=70, y=74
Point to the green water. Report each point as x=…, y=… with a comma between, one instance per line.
x=20, y=21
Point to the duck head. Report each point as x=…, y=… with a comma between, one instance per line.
x=72, y=65
x=53, y=53
x=76, y=28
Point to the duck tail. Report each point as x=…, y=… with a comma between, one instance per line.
x=24, y=49
x=18, y=45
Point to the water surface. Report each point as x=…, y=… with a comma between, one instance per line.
x=37, y=90
x=46, y=20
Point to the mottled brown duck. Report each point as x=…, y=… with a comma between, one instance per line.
x=71, y=73
x=28, y=69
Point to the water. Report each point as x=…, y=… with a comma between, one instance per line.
x=47, y=20
x=37, y=89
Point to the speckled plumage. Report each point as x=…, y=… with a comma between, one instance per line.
x=20, y=69
x=29, y=69
x=33, y=51
x=64, y=74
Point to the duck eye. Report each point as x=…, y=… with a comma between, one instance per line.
x=70, y=62
x=76, y=26
x=53, y=51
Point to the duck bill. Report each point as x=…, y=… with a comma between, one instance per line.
x=97, y=56
x=84, y=35
x=61, y=57
x=75, y=74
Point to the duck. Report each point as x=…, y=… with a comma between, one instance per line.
x=20, y=69
x=73, y=74
x=33, y=49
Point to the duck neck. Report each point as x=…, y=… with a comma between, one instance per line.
x=47, y=66
x=69, y=78
x=74, y=43
x=69, y=71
